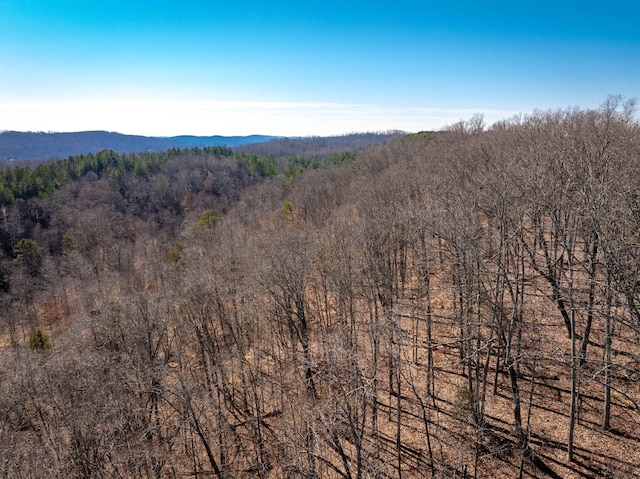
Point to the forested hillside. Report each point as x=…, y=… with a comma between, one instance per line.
x=17, y=145
x=318, y=146
x=457, y=304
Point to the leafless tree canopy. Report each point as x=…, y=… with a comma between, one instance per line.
x=457, y=304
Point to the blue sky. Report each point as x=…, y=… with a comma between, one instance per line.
x=305, y=67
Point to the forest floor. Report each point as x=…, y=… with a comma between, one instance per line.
x=545, y=393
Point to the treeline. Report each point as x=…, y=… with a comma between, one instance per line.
x=456, y=305
x=41, y=181
x=317, y=147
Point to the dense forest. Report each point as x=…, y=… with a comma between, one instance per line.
x=463, y=303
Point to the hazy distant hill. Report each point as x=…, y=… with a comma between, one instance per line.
x=317, y=146
x=187, y=141
x=31, y=145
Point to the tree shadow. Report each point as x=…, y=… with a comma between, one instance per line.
x=540, y=465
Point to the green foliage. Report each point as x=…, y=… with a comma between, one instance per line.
x=218, y=151
x=28, y=253
x=18, y=182
x=68, y=244
x=175, y=254
x=6, y=194
x=263, y=166
x=295, y=166
x=421, y=135
x=25, y=183
x=39, y=340
x=338, y=158
x=292, y=171
x=207, y=220
x=21, y=182
x=287, y=212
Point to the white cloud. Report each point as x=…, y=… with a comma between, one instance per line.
x=168, y=118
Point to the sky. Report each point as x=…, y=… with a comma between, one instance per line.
x=306, y=67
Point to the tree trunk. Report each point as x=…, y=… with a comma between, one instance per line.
x=606, y=412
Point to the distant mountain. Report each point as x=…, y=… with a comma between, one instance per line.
x=45, y=146
x=187, y=141
x=317, y=146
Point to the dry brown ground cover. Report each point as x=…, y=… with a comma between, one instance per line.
x=545, y=396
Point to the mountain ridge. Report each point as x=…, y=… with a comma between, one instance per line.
x=16, y=145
